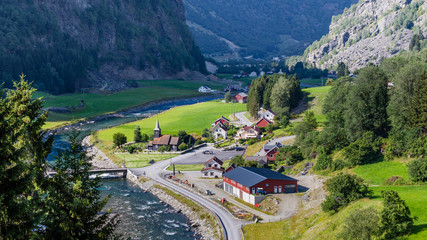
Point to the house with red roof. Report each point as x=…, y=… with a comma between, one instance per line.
x=263, y=122
x=213, y=168
x=222, y=120
x=248, y=132
x=240, y=98
x=247, y=183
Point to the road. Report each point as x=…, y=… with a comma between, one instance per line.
x=231, y=225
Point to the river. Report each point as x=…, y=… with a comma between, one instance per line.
x=142, y=215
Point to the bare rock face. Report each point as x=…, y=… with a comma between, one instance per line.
x=369, y=32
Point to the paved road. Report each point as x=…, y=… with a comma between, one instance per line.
x=197, y=157
x=231, y=225
x=242, y=119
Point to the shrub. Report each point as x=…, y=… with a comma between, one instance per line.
x=162, y=149
x=323, y=161
x=417, y=170
x=290, y=154
x=343, y=189
x=119, y=139
x=183, y=146
x=396, y=217
x=363, y=151
x=338, y=165
x=198, y=142
x=361, y=224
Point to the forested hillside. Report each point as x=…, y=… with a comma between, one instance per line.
x=260, y=28
x=369, y=32
x=65, y=45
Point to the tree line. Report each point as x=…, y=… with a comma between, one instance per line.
x=278, y=92
x=32, y=205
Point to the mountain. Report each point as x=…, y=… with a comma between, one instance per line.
x=370, y=31
x=259, y=27
x=65, y=45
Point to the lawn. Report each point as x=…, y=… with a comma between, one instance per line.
x=191, y=118
x=142, y=160
x=186, y=167
x=53, y=125
x=97, y=104
x=254, y=148
x=182, y=84
x=316, y=97
x=378, y=173
x=416, y=198
x=314, y=81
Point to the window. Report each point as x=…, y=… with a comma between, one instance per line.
x=209, y=165
x=271, y=155
x=211, y=173
x=266, y=184
x=206, y=173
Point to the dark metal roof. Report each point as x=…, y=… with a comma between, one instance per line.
x=248, y=176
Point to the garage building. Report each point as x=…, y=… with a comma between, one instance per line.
x=246, y=182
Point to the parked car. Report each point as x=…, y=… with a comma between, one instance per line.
x=239, y=149
x=207, y=152
x=208, y=192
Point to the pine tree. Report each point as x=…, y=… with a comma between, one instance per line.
x=396, y=217
x=73, y=204
x=23, y=150
x=137, y=137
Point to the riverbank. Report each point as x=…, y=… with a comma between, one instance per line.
x=202, y=220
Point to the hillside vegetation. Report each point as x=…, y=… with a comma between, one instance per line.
x=64, y=46
x=369, y=32
x=260, y=28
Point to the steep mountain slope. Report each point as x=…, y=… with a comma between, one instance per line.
x=66, y=45
x=261, y=28
x=369, y=32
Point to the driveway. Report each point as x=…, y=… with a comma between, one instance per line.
x=273, y=142
x=242, y=120
x=231, y=226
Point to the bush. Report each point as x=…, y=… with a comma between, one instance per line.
x=343, y=189
x=183, y=146
x=162, y=149
x=363, y=151
x=361, y=224
x=198, y=142
x=289, y=154
x=323, y=161
x=395, y=217
x=338, y=164
x=417, y=170
x=119, y=139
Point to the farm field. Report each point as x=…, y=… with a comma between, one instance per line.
x=97, y=104
x=191, y=118
x=186, y=167
x=142, y=160
x=314, y=81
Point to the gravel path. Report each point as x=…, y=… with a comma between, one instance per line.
x=242, y=119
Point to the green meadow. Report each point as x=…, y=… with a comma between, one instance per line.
x=315, y=98
x=191, y=118
x=378, y=173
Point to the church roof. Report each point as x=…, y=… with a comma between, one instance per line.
x=157, y=125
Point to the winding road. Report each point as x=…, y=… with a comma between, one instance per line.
x=230, y=224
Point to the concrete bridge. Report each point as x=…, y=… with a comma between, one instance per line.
x=104, y=173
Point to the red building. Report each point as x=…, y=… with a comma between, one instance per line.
x=240, y=98
x=263, y=122
x=245, y=183
x=271, y=154
x=222, y=120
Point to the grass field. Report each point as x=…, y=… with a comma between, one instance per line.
x=254, y=148
x=416, y=198
x=187, y=167
x=191, y=118
x=316, y=97
x=142, y=160
x=378, y=173
x=97, y=104
x=314, y=81
x=181, y=84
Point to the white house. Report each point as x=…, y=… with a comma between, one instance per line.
x=213, y=168
x=205, y=89
x=253, y=74
x=267, y=114
x=248, y=132
x=219, y=131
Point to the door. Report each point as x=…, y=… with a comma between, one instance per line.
x=280, y=189
x=290, y=188
x=275, y=189
x=241, y=194
x=253, y=190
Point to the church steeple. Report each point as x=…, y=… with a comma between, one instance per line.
x=157, y=130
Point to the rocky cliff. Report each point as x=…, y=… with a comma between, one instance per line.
x=369, y=31
x=68, y=44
